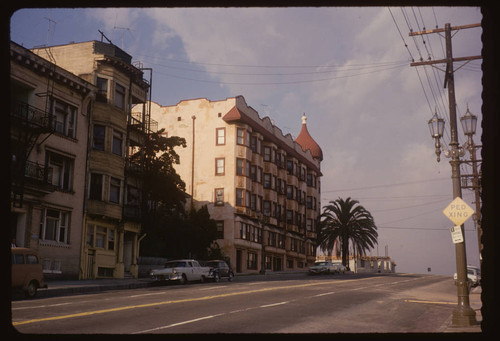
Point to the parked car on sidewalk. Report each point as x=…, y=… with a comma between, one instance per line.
x=219, y=269
x=183, y=271
x=27, y=272
x=323, y=267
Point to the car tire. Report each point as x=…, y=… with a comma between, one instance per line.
x=31, y=290
x=216, y=277
x=230, y=276
x=183, y=279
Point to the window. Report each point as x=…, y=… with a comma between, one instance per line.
x=220, y=166
x=111, y=239
x=219, y=196
x=267, y=208
x=114, y=190
x=253, y=143
x=267, y=154
x=119, y=96
x=64, y=116
x=102, y=89
x=281, y=241
x=244, y=231
x=95, y=192
x=220, y=229
x=247, y=198
x=253, y=173
x=99, y=135
x=61, y=174
x=117, y=147
x=55, y=225
x=252, y=260
x=309, y=225
x=309, y=202
x=240, y=197
x=100, y=237
x=289, y=216
x=240, y=166
x=267, y=180
x=220, y=138
x=289, y=192
x=240, y=136
x=133, y=196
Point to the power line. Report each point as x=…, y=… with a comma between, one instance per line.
x=279, y=82
x=263, y=66
x=387, y=185
x=444, y=229
x=347, y=68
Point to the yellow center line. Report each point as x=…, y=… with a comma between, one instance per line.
x=103, y=311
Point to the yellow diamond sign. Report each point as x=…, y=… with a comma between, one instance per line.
x=458, y=211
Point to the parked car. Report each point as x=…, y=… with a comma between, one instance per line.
x=183, y=271
x=473, y=275
x=320, y=268
x=27, y=272
x=219, y=269
x=340, y=268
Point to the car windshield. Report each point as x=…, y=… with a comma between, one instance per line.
x=213, y=264
x=320, y=263
x=175, y=264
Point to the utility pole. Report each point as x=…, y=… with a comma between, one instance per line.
x=463, y=315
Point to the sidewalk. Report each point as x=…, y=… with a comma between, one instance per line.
x=61, y=288
x=475, y=304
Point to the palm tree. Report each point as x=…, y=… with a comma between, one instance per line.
x=345, y=220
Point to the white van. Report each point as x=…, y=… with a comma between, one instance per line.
x=473, y=275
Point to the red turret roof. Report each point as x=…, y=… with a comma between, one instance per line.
x=307, y=142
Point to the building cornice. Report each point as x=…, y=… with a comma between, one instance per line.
x=236, y=115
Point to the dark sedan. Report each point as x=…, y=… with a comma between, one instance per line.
x=219, y=269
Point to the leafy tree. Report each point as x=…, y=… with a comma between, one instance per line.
x=180, y=235
x=171, y=232
x=344, y=220
x=161, y=182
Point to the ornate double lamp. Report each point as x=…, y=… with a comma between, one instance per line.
x=436, y=128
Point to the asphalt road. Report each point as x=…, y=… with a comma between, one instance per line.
x=287, y=304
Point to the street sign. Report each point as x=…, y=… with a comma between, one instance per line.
x=458, y=211
x=456, y=234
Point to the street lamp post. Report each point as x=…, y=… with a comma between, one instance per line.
x=463, y=315
x=469, y=122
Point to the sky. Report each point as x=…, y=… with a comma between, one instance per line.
x=347, y=68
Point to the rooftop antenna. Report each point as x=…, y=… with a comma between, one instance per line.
x=48, y=28
x=123, y=33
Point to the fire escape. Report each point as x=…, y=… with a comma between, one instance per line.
x=29, y=126
x=139, y=127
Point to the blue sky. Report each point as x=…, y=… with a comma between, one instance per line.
x=346, y=68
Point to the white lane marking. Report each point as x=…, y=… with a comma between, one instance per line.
x=177, y=324
x=42, y=306
x=324, y=294
x=149, y=294
x=273, y=304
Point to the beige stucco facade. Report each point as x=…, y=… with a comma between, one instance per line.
x=260, y=186
x=111, y=220
x=49, y=116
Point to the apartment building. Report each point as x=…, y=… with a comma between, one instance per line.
x=112, y=215
x=262, y=187
x=49, y=115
